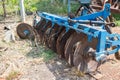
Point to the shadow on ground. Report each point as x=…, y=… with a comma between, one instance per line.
x=58, y=67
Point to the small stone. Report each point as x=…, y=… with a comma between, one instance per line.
x=66, y=70
x=9, y=36
x=59, y=63
x=24, y=79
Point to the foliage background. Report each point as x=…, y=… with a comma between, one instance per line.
x=57, y=7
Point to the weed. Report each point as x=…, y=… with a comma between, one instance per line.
x=12, y=75
x=117, y=19
x=48, y=55
x=41, y=52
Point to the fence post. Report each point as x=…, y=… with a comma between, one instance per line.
x=22, y=10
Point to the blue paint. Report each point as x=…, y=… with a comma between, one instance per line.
x=26, y=32
x=105, y=40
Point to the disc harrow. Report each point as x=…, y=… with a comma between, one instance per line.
x=83, y=41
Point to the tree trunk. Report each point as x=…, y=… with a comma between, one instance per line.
x=22, y=10
x=64, y=2
x=4, y=8
x=52, y=1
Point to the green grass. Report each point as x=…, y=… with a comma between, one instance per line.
x=117, y=22
x=41, y=5
x=48, y=55
x=117, y=19
x=12, y=75
x=41, y=52
x=46, y=6
x=56, y=8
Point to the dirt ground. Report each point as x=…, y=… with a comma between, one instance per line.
x=19, y=61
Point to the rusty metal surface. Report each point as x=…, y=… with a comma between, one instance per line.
x=117, y=55
x=39, y=28
x=46, y=37
x=53, y=37
x=70, y=44
x=21, y=28
x=113, y=10
x=115, y=5
x=61, y=41
x=83, y=57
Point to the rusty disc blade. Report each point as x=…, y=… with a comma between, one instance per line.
x=21, y=28
x=46, y=37
x=77, y=58
x=39, y=27
x=43, y=30
x=84, y=57
x=69, y=46
x=48, y=25
x=115, y=4
x=53, y=37
x=117, y=55
x=60, y=50
x=61, y=41
x=40, y=24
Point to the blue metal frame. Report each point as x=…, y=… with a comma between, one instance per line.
x=105, y=40
x=104, y=14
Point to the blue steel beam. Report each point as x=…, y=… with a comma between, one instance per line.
x=101, y=55
x=104, y=13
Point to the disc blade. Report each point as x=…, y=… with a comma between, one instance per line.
x=69, y=46
x=86, y=51
x=61, y=41
x=24, y=30
x=53, y=37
